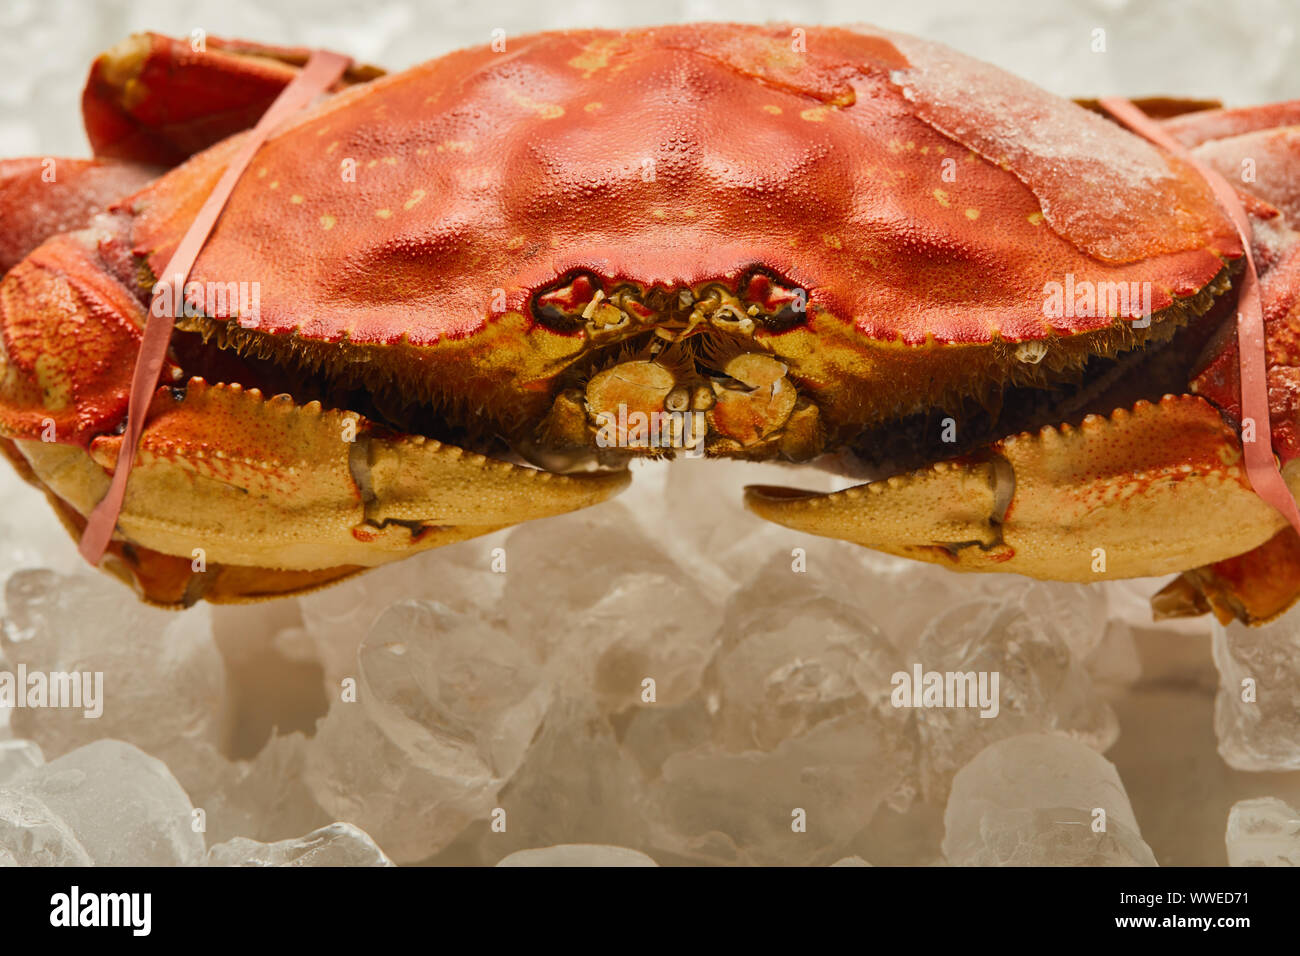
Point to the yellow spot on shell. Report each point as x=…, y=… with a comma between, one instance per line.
x=815, y=114
x=773, y=109
x=657, y=213
x=593, y=106
x=1035, y=218
x=275, y=184
x=941, y=197
x=516, y=243
x=384, y=213
x=972, y=213
x=833, y=241
x=296, y=199
x=331, y=147
x=327, y=222
x=389, y=160
x=261, y=173
x=416, y=196
x=455, y=146
x=544, y=110
x=594, y=56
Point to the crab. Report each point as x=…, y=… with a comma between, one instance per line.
x=448, y=300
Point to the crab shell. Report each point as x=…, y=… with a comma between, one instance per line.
x=409, y=237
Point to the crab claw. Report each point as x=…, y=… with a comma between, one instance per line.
x=230, y=479
x=1154, y=490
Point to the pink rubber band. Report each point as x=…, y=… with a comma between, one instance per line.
x=322, y=69
x=1261, y=465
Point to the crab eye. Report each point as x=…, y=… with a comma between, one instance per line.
x=782, y=305
x=559, y=307
x=557, y=321
x=787, y=318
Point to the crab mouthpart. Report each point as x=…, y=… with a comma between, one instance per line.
x=678, y=370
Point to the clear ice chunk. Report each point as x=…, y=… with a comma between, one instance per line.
x=1263, y=832
x=339, y=844
x=31, y=834
x=120, y=805
x=578, y=854
x=458, y=695
x=1041, y=800
x=605, y=608
x=17, y=757
x=1256, y=716
x=163, y=680
x=1042, y=685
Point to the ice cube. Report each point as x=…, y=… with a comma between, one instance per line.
x=605, y=608
x=17, y=757
x=1256, y=716
x=576, y=785
x=267, y=797
x=31, y=834
x=460, y=576
x=1115, y=661
x=1040, y=684
x=578, y=854
x=339, y=844
x=163, y=680
x=30, y=533
x=798, y=804
x=120, y=804
x=1041, y=800
x=1263, y=832
x=356, y=773
x=694, y=509
x=456, y=693
x=1076, y=612
x=792, y=656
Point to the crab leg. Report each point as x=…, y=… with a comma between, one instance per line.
x=43, y=196
x=1203, y=126
x=1243, y=144
x=154, y=99
x=149, y=103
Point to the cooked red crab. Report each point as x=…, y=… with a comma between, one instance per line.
x=435, y=291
